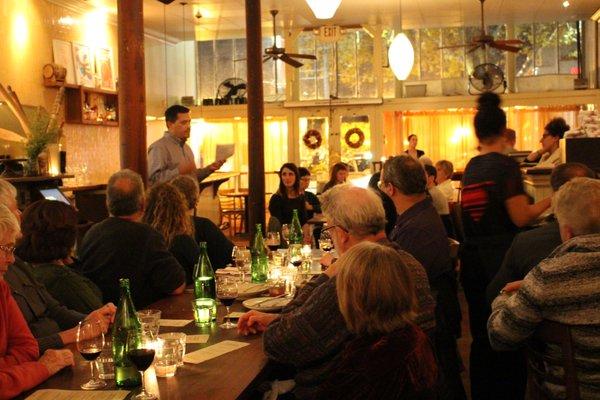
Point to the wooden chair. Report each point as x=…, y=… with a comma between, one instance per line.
x=232, y=211
x=539, y=363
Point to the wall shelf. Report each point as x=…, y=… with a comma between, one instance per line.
x=89, y=106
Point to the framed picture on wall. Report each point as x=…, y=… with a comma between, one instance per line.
x=84, y=65
x=104, y=69
x=63, y=55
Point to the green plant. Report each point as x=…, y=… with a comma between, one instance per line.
x=44, y=130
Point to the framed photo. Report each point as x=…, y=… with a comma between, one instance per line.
x=84, y=65
x=104, y=69
x=63, y=55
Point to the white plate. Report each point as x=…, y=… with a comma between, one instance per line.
x=266, y=305
x=247, y=289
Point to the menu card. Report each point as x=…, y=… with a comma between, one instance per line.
x=196, y=339
x=210, y=352
x=178, y=323
x=56, y=394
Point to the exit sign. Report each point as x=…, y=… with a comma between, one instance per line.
x=330, y=33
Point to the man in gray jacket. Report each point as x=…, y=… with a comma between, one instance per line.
x=170, y=156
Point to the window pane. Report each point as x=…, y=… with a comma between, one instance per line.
x=546, y=48
x=307, y=73
x=524, y=58
x=223, y=60
x=496, y=56
x=453, y=59
x=206, y=69
x=413, y=36
x=567, y=48
x=325, y=70
x=364, y=60
x=431, y=64
x=389, y=80
x=346, y=65
x=239, y=53
x=476, y=57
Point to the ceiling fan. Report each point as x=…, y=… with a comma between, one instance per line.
x=512, y=45
x=278, y=53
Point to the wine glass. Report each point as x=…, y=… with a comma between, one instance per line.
x=241, y=255
x=325, y=241
x=90, y=342
x=285, y=231
x=227, y=292
x=140, y=350
x=273, y=241
x=295, y=254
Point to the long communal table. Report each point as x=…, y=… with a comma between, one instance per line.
x=221, y=378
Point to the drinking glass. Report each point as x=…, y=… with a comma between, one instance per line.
x=295, y=255
x=227, y=291
x=285, y=231
x=273, y=241
x=90, y=342
x=140, y=350
x=241, y=255
x=325, y=241
x=203, y=309
x=150, y=320
x=176, y=340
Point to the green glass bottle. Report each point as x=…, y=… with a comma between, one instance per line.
x=260, y=266
x=204, y=278
x=126, y=321
x=296, y=236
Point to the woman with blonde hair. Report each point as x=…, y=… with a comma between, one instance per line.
x=166, y=211
x=389, y=357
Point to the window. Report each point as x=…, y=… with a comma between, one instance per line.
x=431, y=65
x=343, y=69
x=453, y=60
x=222, y=59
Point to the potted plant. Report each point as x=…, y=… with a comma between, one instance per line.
x=44, y=130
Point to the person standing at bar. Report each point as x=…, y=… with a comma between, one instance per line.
x=170, y=155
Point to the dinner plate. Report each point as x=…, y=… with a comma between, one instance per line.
x=248, y=289
x=265, y=304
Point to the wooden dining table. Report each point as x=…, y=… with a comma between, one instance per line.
x=222, y=378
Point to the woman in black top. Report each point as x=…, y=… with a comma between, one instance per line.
x=339, y=174
x=412, y=147
x=494, y=207
x=218, y=247
x=288, y=196
x=166, y=212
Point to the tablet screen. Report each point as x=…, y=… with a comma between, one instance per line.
x=54, y=194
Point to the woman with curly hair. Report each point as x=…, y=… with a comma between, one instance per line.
x=166, y=211
x=49, y=233
x=549, y=154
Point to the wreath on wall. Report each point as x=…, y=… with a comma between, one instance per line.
x=312, y=139
x=350, y=134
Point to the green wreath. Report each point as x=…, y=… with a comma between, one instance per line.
x=350, y=134
x=312, y=139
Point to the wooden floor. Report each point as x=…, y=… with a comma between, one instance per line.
x=464, y=343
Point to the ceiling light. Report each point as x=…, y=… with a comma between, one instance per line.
x=566, y=3
x=401, y=56
x=324, y=9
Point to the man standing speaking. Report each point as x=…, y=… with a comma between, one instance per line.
x=170, y=156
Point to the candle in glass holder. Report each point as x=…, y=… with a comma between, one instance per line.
x=275, y=273
x=306, y=251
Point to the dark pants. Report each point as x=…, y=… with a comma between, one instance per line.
x=494, y=375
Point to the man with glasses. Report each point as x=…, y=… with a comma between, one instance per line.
x=311, y=332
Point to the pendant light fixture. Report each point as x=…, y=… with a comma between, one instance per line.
x=401, y=54
x=324, y=9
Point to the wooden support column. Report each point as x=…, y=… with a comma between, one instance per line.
x=132, y=90
x=256, y=159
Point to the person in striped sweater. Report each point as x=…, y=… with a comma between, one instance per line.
x=563, y=288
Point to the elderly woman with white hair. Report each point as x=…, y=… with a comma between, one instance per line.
x=20, y=368
x=563, y=288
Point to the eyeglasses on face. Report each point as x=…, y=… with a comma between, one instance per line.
x=333, y=226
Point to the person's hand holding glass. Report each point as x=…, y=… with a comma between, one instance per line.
x=227, y=292
x=140, y=350
x=90, y=342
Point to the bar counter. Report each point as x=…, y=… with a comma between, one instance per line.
x=221, y=378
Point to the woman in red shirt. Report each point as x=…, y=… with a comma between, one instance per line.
x=20, y=368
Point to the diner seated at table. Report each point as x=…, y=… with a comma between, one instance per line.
x=123, y=247
x=437, y=197
x=288, y=196
x=443, y=178
x=338, y=176
x=562, y=288
x=49, y=231
x=310, y=332
x=420, y=232
x=388, y=204
x=218, y=246
x=166, y=211
x=549, y=155
x=388, y=357
x=313, y=205
x=530, y=247
x=21, y=367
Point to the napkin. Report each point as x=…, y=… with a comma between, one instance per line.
x=178, y=323
x=56, y=394
x=196, y=339
x=210, y=352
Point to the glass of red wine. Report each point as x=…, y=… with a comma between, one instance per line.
x=140, y=350
x=227, y=292
x=295, y=254
x=90, y=342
